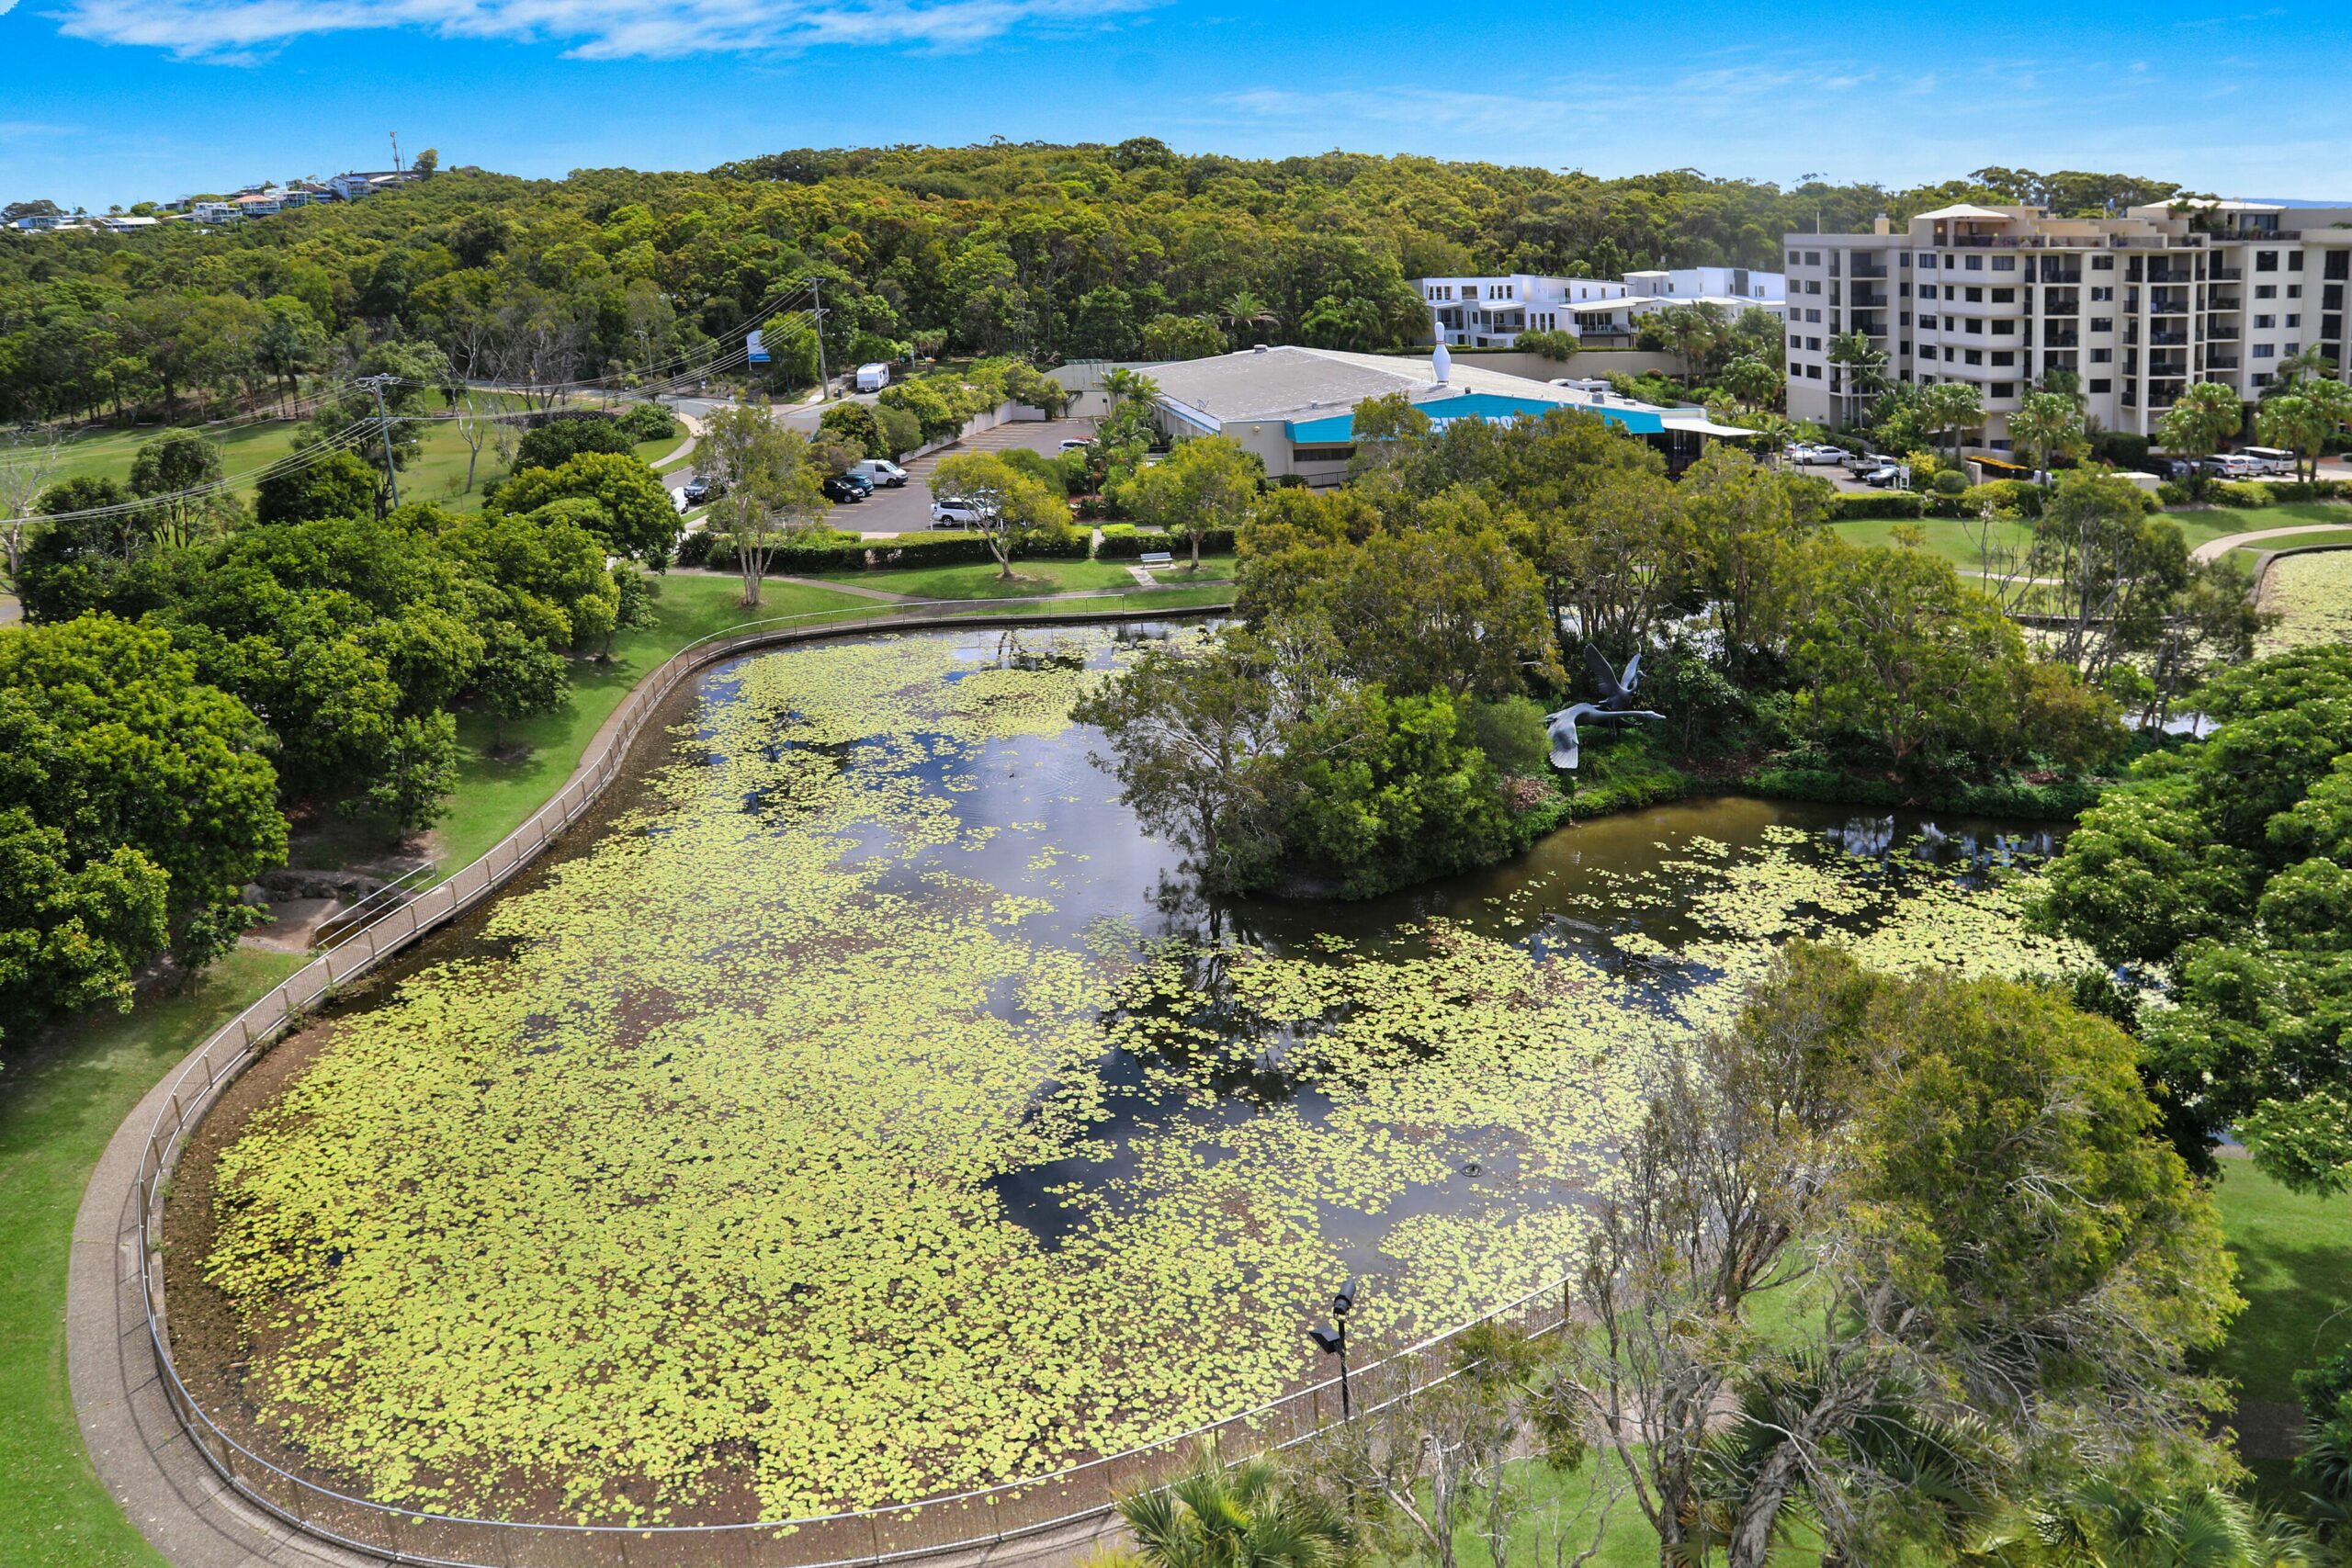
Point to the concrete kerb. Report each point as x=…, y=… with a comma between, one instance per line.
x=166, y=1483
x=2263, y=562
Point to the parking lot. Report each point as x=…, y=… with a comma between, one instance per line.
x=908, y=509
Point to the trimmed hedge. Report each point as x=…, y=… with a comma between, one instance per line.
x=1125, y=541
x=1863, y=508
x=827, y=550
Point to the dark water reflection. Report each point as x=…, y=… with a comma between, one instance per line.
x=1040, y=818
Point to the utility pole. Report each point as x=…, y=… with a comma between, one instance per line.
x=824, y=381
x=396, y=152
x=377, y=384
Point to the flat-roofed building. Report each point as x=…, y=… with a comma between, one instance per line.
x=1296, y=407
x=1491, y=313
x=2137, y=307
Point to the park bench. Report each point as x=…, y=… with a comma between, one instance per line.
x=1157, y=558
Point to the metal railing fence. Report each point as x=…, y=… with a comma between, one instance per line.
x=925, y=1526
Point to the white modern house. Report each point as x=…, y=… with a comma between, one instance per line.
x=1491, y=313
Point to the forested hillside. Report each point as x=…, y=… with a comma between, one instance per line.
x=1055, y=252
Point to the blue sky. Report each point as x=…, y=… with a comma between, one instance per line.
x=118, y=100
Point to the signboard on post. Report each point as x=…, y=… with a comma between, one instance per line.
x=757, y=348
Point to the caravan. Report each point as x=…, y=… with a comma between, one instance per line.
x=872, y=377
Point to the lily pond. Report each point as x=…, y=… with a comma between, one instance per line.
x=865, y=1107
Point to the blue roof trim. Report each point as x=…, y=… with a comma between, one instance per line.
x=1338, y=429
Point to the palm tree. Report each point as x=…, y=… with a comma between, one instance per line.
x=1690, y=331
x=1863, y=361
x=1952, y=408
x=2296, y=424
x=2206, y=414
x=1213, y=1516
x=1754, y=380
x=1244, y=311
x=2312, y=361
x=2047, y=426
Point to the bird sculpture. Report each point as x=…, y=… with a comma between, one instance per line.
x=1616, y=698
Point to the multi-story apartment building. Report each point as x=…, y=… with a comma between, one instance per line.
x=2137, y=307
x=1491, y=313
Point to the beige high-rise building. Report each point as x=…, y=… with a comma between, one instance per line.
x=2138, y=306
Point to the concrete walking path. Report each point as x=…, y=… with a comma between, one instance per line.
x=2214, y=550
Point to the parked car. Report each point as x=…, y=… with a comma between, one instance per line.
x=1862, y=467
x=699, y=492
x=2233, y=466
x=1076, y=443
x=953, y=512
x=1816, y=452
x=1884, y=476
x=880, y=471
x=841, y=487
x=2275, y=460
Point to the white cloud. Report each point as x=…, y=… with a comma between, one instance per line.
x=592, y=29
x=1436, y=108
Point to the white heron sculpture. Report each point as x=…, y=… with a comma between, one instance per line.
x=1616, y=691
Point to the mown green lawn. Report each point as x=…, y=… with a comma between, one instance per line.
x=2247, y=555
x=2294, y=1259
x=983, y=579
x=61, y=1099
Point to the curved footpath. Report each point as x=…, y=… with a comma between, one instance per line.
x=2214, y=550
x=163, y=1483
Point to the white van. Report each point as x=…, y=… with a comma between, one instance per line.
x=872, y=377
x=2271, y=459
x=885, y=473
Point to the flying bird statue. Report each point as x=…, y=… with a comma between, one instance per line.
x=1616, y=698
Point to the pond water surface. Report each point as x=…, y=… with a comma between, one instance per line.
x=870, y=1108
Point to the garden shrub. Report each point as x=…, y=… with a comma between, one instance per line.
x=2309, y=489
x=2018, y=496
x=694, y=549
x=2241, y=495
x=1859, y=508
x=650, y=421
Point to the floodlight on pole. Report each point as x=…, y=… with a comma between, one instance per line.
x=1333, y=1341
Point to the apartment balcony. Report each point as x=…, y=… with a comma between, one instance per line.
x=2175, y=273
x=2224, y=302
x=1869, y=298
x=2163, y=394
x=2062, y=337
x=2225, y=274
x=2221, y=362
x=2169, y=336
x=2220, y=332
x=2054, y=272
x=1865, y=271
x=2061, y=302
x=2168, y=302
x=1869, y=325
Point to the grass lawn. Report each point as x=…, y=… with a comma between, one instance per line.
x=2247, y=555
x=981, y=580
x=493, y=796
x=1953, y=538
x=2295, y=1271
x=61, y=1100
x=1559, y=1504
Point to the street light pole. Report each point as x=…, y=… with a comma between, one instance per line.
x=1333, y=1341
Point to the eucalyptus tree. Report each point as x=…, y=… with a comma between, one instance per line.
x=771, y=485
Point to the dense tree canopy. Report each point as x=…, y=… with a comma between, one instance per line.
x=136, y=801
x=1078, y=251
